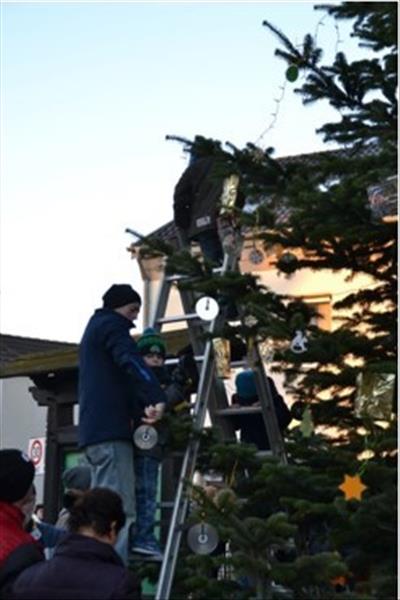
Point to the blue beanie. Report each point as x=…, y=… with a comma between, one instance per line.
x=246, y=384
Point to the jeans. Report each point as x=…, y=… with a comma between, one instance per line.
x=210, y=245
x=111, y=466
x=146, y=473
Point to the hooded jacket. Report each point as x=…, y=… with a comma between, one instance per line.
x=196, y=198
x=114, y=382
x=252, y=427
x=81, y=567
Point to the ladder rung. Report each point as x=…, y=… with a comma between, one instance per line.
x=178, y=318
x=234, y=364
x=243, y=410
x=175, y=361
x=176, y=277
x=239, y=363
x=264, y=453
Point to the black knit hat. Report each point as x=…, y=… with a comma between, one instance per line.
x=119, y=295
x=16, y=474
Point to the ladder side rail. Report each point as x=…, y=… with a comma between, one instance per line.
x=178, y=517
x=161, y=303
x=268, y=408
x=187, y=471
x=218, y=397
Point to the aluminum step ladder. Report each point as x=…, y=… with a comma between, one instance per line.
x=210, y=396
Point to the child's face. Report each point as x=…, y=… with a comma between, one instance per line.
x=153, y=359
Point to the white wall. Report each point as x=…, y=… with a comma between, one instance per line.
x=21, y=418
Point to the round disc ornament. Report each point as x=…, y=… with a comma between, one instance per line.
x=145, y=437
x=256, y=256
x=202, y=538
x=207, y=308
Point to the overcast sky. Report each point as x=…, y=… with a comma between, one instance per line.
x=88, y=93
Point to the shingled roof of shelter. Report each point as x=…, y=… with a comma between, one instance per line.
x=24, y=355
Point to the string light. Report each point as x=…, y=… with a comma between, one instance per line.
x=279, y=100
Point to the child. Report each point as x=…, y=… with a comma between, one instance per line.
x=153, y=349
x=252, y=427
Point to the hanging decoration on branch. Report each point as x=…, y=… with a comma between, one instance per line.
x=145, y=437
x=287, y=263
x=352, y=487
x=207, y=308
x=222, y=353
x=292, y=73
x=256, y=257
x=375, y=395
x=382, y=199
x=267, y=350
x=299, y=343
x=202, y=538
x=307, y=424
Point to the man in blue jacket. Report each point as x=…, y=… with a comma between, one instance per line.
x=115, y=389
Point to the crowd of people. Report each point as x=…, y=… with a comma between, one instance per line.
x=109, y=504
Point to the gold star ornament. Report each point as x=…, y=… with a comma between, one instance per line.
x=352, y=487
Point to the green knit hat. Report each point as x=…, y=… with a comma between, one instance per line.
x=151, y=341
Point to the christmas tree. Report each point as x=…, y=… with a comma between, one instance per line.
x=323, y=526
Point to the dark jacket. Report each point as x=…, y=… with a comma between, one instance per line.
x=174, y=386
x=196, y=198
x=81, y=567
x=114, y=382
x=252, y=427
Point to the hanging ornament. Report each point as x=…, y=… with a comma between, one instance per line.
x=222, y=353
x=287, y=262
x=375, y=395
x=307, y=424
x=267, y=351
x=202, y=538
x=256, y=256
x=250, y=321
x=299, y=343
x=207, y=308
x=382, y=199
x=145, y=437
x=352, y=487
x=292, y=73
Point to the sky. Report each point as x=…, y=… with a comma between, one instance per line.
x=89, y=91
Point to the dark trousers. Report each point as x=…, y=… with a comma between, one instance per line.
x=146, y=480
x=210, y=245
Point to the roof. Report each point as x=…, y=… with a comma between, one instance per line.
x=24, y=355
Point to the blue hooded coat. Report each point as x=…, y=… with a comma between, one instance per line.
x=114, y=382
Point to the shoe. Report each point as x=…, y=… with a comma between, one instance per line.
x=148, y=552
